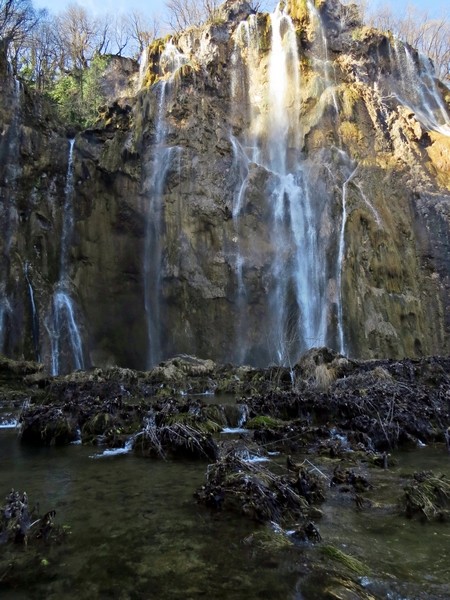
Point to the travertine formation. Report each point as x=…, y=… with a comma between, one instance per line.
x=274, y=183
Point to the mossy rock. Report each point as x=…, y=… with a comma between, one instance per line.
x=265, y=422
x=352, y=563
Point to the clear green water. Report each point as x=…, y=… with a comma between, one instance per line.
x=138, y=533
x=408, y=559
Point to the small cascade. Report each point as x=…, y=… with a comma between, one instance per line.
x=340, y=263
x=321, y=60
x=68, y=222
x=126, y=449
x=296, y=300
x=65, y=334
x=143, y=66
x=34, y=313
x=5, y=315
x=171, y=61
x=65, y=337
x=237, y=416
x=370, y=206
x=417, y=89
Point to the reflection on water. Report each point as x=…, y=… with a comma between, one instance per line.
x=137, y=533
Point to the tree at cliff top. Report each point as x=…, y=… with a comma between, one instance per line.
x=431, y=36
x=186, y=13
x=17, y=19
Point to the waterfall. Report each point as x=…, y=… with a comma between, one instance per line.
x=5, y=313
x=64, y=330
x=320, y=53
x=296, y=303
x=10, y=156
x=143, y=65
x=416, y=88
x=171, y=61
x=370, y=206
x=340, y=263
x=68, y=223
x=34, y=313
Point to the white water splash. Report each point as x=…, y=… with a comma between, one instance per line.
x=242, y=419
x=127, y=449
x=248, y=457
x=8, y=423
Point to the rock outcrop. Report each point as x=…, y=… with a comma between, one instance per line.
x=176, y=245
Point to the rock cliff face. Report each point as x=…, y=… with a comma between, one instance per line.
x=277, y=182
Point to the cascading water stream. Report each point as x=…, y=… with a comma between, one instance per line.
x=171, y=61
x=65, y=327
x=34, y=313
x=67, y=224
x=10, y=152
x=5, y=313
x=143, y=66
x=417, y=89
x=340, y=264
x=320, y=52
x=296, y=295
x=64, y=330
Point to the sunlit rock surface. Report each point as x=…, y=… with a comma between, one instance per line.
x=281, y=184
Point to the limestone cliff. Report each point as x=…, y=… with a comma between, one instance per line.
x=277, y=182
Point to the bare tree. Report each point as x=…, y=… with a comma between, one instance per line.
x=184, y=13
x=141, y=31
x=38, y=57
x=17, y=19
x=81, y=36
x=414, y=26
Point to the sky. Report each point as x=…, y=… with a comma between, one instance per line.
x=156, y=8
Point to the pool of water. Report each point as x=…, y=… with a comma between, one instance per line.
x=409, y=559
x=137, y=533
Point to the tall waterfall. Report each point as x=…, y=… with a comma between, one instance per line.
x=416, y=88
x=65, y=337
x=320, y=56
x=171, y=61
x=296, y=299
x=9, y=155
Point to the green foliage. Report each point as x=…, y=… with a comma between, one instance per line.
x=78, y=95
x=264, y=422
